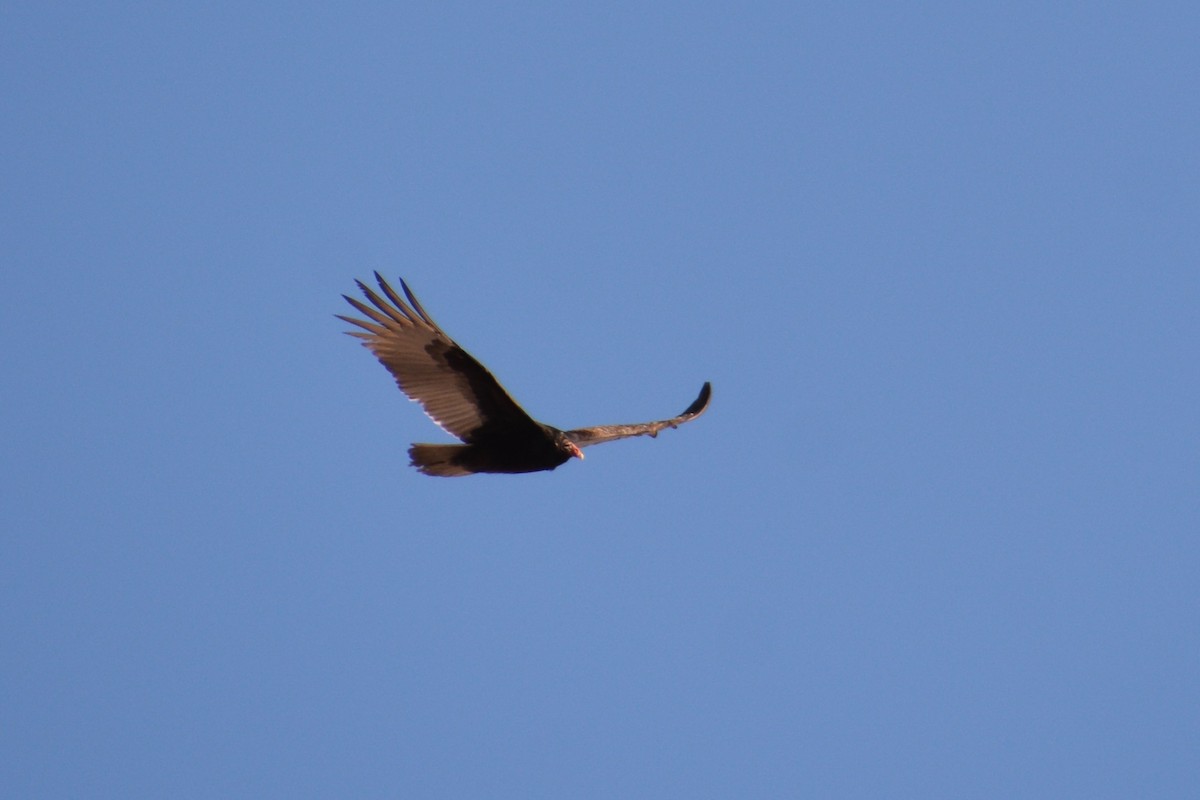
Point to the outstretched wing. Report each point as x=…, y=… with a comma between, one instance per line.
x=455, y=390
x=584, y=437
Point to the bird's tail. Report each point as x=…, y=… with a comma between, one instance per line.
x=442, y=460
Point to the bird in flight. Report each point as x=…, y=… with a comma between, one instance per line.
x=460, y=395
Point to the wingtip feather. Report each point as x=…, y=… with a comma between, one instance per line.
x=412, y=299
x=700, y=404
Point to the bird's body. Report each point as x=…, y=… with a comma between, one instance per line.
x=502, y=454
x=461, y=396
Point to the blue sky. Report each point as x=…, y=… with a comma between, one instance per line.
x=935, y=538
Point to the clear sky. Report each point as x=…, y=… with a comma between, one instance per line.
x=936, y=537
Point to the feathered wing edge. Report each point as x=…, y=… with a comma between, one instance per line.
x=585, y=437
x=416, y=315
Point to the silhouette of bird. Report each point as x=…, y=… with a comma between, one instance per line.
x=460, y=395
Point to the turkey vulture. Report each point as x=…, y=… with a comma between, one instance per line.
x=461, y=396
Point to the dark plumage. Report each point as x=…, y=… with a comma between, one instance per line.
x=460, y=395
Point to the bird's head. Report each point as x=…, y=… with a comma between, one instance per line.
x=570, y=448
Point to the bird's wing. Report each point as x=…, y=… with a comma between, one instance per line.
x=583, y=437
x=456, y=391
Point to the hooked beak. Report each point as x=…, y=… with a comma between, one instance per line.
x=575, y=451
